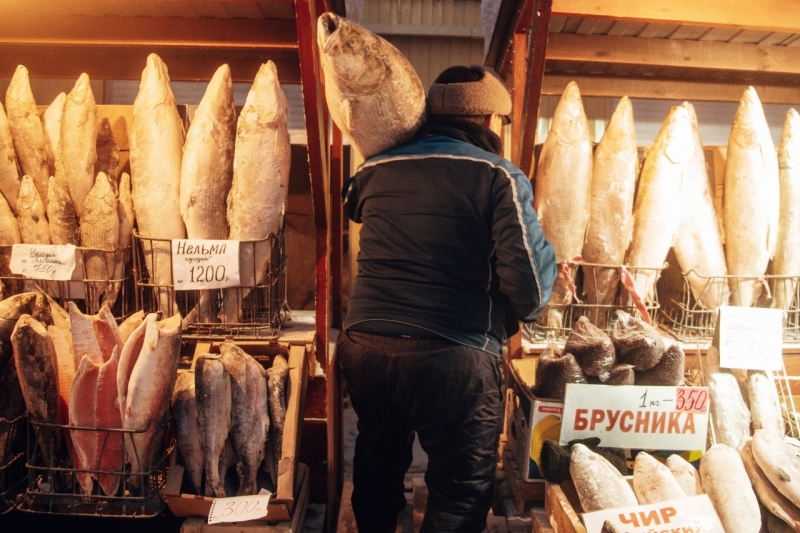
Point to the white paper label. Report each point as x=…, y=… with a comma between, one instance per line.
x=640, y=417
x=204, y=264
x=688, y=515
x=750, y=338
x=43, y=261
x=238, y=508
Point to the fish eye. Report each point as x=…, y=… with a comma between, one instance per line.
x=353, y=41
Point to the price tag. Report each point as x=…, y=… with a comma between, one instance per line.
x=750, y=338
x=204, y=264
x=43, y=261
x=687, y=515
x=639, y=417
x=238, y=508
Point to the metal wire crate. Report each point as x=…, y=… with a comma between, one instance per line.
x=262, y=305
x=601, y=315
x=689, y=320
x=13, y=474
x=54, y=489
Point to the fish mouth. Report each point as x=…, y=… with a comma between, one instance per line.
x=327, y=26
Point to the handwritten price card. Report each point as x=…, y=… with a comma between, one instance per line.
x=750, y=338
x=238, y=508
x=204, y=264
x=630, y=416
x=687, y=515
x=43, y=261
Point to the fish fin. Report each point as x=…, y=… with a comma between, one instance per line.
x=347, y=117
x=784, y=475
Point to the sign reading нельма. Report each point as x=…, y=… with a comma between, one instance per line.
x=750, y=338
x=204, y=264
x=53, y=262
x=640, y=417
x=688, y=515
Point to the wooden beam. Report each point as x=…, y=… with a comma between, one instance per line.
x=709, y=55
x=269, y=34
x=500, y=46
x=662, y=89
x=337, y=227
x=426, y=30
x=518, y=81
x=765, y=15
x=127, y=63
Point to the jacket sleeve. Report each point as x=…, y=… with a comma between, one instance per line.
x=526, y=262
x=350, y=200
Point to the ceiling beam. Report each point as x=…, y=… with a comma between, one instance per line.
x=269, y=34
x=710, y=55
x=661, y=89
x=766, y=15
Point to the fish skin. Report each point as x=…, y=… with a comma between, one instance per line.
x=109, y=443
x=653, y=482
x=78, y=151
x=249, y=416
x=51, y=126
x=35, y=359
x=129, y=324
x=187, y=436
x=213, y=390
x=100, y=232
x=129, y=356
x=33, y=225
x=149, y=391
x=83, y=399
x=61, y=215
x=11, y=309
x=107, y=153
x=599, y=485
x=698, y=242
x=751, y=199
x=765, y=407
x=787, y=258
x=277, y=375
x=729, y=414
x=12, y=406
x=65, y=369
x=566, y=159
x=84, y=340
x=257, y=200
x=9, y=174
x=779, y=461
x=26, y=130
x=9, y=235
x=123, y=253
x=727, y=484
x=156, y=147
x=657, y=205
x=207, y=169
x=373, y=93
x=685, y=474
x=775, y=502
x=610, y=226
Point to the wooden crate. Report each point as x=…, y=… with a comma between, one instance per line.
x=525, y=492
x=283, y=503
x=562, y=505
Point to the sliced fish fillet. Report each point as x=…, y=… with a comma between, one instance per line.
x=83, y=414
x=109, y=443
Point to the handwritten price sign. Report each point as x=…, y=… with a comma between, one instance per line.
x=204, y=264
x=43, y=261
x=691, y=399
x=238, y=508
x=750, y=338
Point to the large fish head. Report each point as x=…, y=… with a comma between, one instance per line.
x=677, y=135
x=28, y=194
x=81, y=93
x=749, y=120
x=569, y=119
x=19, y=89
x=789, y=153
x=219, y=94
x=352, y=54
x=266, y=102
x=619, y=138
x=154, y=87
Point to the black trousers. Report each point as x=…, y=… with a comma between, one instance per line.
x=452, y=396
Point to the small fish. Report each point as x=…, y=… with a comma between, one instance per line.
x=653, y=482
x=33, y=226
x=765, y=407
x=727, y=484
x=685, y=474
x=729, y=415
x=9, y=175
x=187, y=436
x=599, y=485
x=9, y=235
x=213, y=393
x=51, y=125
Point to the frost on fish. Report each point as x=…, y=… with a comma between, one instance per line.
x=787, y=251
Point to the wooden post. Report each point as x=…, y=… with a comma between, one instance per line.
x=337, y=175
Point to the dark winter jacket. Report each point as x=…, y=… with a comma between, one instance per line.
x=449, y=244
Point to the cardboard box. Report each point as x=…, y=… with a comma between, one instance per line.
x=282, y=503
x=531, y=420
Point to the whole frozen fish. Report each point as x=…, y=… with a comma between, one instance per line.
x=726, y=482
x=78, y=143
x=779, y=461
x=765, y=407
x=685, y=474
x=562, y=190
x=9, y=174
x=107, y=153
x=33, y=226
x=100, y=232
x=775, y=502
x=599, y=485
x=751, y=199
x=26, y=130
x=653, y=482
x=9, y=235
x=656, y=211
x=123, y=254
x=129, y=324
x=93, y=335
x=730, y=417
x=11, y=309
x=156, y=145
x=277, y=376
x=787, y=250
x=374, y=95
x=187, y=436
x=207, y=169
x=61, y=215
x=213, y=392
x=611, y=206
x=698, y=243
x=51, y=125
x=257, y=199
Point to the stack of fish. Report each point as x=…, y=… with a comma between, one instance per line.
x=230, y=412
x=634, y=354
x=69, y=190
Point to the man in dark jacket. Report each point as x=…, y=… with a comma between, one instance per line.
x=452, y=258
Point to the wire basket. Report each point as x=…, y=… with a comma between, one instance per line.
x=689, y=320
x=54, y=489
x=13, y=474
x=262, y=305
x=88, y=293
x=601, y=315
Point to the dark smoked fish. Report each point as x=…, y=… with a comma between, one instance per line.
x=213, y=390
x=276, y=387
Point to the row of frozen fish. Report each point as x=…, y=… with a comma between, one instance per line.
x=598, y=206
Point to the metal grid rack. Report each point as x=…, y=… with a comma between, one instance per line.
x=262, y=305
x=601, y=315
x=54, y=489
x=13, y=474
